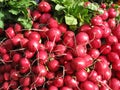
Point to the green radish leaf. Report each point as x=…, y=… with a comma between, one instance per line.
x=1, y=24
x=70, y=20
x=59, y=7
x=14, y=11
x=1, y=14
x=27, y=23
x=93, y=6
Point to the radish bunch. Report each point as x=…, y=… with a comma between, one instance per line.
x=52, y=57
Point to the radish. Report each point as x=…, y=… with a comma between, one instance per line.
x=54, y=34
x=70, y=82
x=58, y=82
x=96, y=43
x=44, y=18
x=66, y=88
x=17, y=28
x=105, y=15
x=53, y=65
x=94, y=53
x=28, y=54
x=33, y=45
x=78, y=63
x=44, y=6
x=34, y=36
x=114, y=84
x=111, y=39
x=52, y=88
x=62, y=27
x=87, y=85
x=96, y=20
x=84, y=28
x=81, y=75
x=36, y=15
x=82, y=38
x=112, y=13
x=40, y=70
x=10, y=32
x=52, y=23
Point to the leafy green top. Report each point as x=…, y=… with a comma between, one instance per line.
x=16, y=11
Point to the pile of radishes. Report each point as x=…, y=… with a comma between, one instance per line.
x=52, y=57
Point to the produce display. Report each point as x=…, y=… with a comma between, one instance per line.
x=59, y=45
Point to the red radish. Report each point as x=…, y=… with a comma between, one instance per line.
x=17, y=28
x=112, y=13
x=111, y=39
x=66, y=88
x=24, y=65
x=58, y=82
x=54, y=34
x=50, y=75
x=34, y=36
x=8, y=44
x=114, y=84
x=116, y=48
x=35, y=15
x=16, y=40
x=49, y=45
x=116, y=31
x=41, y=47
x=10, y=32
x=70, y=82
x=68, y=69
x=88, y=59
x=25, y=88
x=1, y=31
x=62, y=27
x=5, y=85
x=29, y=54
x=59, y=49
x=23, y=42
x=104, y=16
x=16, y=57
x=27, y=33
x=38, y=81
x=25, y=81
x=43, y=33
x=68, y=41
x=80, y=51
x=106, y=32
x=113, y=57
x=68, y=56
x=96, y=43
x=6, y=76
x=103, y=5
x=53, y=65
x=42, y=56
x=6, y=58
x=84, y=28
x=69, y=34
x=105, y=49
x=116, y=65
x=40, y=70
x=44, y=18
x=52, y=23
x=14, y=74
x=33, y=45
x=81, y=75
x=3, y=50
x=96, y=20
x=36, y=25
x=53, y=88
x=1, y=78
x=112, y=23
x=44, y=6
x=93, y=76
x=78, y=63
x=13, y=84
x=82, y=38
x=7, y=67
x=95, y=33
x=94, y=53
x=87, y=85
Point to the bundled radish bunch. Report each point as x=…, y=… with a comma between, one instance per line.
x=52, y=57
